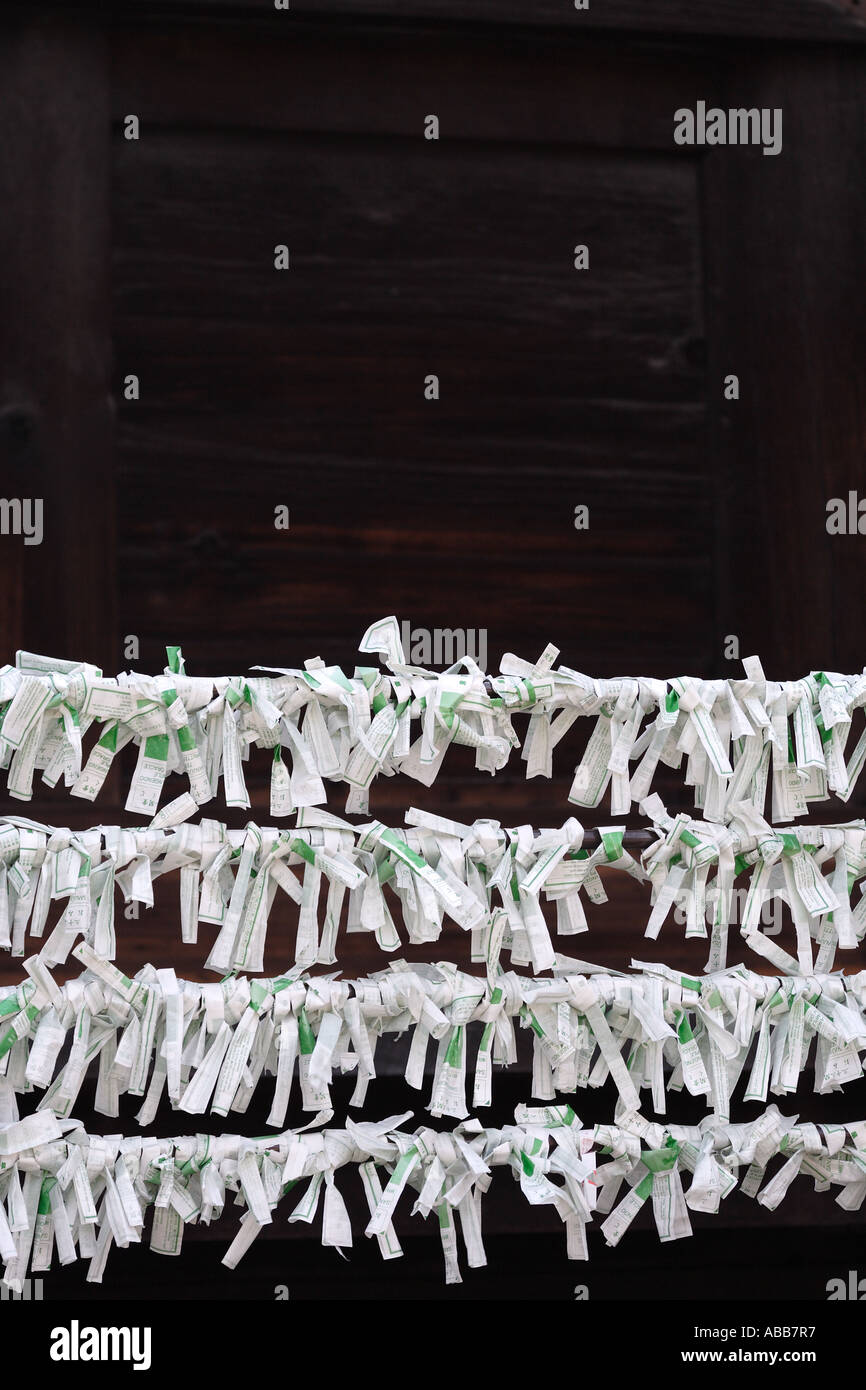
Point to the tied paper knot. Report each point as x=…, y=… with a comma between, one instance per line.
x=431, y=869
x=212, y=1046
x=230, y=879
x=64, y=1190
x=695, y=864
x=739, y=736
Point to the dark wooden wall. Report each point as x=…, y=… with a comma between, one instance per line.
x=410, y=257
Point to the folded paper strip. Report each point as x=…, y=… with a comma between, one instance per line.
x=69, y=1194
x=737, y=735
x=66, y=1192
x=489, y=880
x=213, y=1046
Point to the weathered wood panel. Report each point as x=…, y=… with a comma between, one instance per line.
x=788, y=302
x=823, y=20
x=556, y=388
x=55, y=353
x=484, y=83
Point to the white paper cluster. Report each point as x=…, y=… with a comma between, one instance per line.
x=489, y=880
x=733, y=733
x=811, y=868
x=210, y=1046
x=432, y=868
x=69, y=1194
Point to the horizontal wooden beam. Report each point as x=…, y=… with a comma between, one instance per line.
x=829, y=21
x=797, y=20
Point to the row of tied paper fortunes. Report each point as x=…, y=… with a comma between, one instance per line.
x=210, y=1046
x=733, y=733
x=61, y=1188
x=434, y=868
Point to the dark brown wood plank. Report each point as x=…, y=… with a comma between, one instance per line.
x=786, y=294
x=55, y=409
x=535, y=410
x=484, y=84
x=574, y=434
x=823, y=20
x=778, y=19
x=403, y=264
x=313, y=590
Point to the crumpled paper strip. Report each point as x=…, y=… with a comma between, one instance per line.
x=210, y=1046
x=812, y=868
x=69, y=1193
x=733, y=733
x=486, y=878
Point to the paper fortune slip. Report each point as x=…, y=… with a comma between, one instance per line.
x=69, y=1195
x=734, y=739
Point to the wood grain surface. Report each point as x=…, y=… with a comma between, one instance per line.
x=557, y=388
